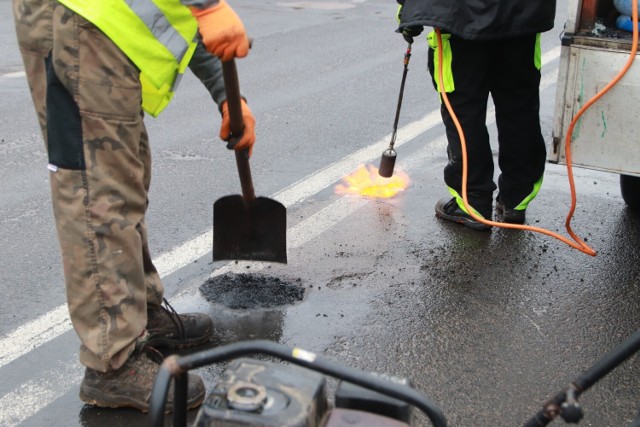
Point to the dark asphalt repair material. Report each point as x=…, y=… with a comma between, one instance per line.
x=246, y=291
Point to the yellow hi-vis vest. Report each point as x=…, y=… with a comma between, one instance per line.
x=158, y=36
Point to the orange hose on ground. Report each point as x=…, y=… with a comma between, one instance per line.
x=577, y=242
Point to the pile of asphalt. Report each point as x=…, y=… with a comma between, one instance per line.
x=247, y=291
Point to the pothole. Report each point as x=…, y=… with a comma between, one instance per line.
x=246, y=291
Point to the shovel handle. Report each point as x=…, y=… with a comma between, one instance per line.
x=232, y=88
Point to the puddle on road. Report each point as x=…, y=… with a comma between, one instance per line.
x=248, y=291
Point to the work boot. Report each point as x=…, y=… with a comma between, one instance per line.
x=509, y=215
x=130, y=386
x=448, y=209
x=168, y=329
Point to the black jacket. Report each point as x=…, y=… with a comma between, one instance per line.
x=481, y=19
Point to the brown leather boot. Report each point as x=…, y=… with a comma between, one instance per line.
x=130, y=386
x=168, y=329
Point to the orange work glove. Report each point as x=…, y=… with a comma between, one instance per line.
x=249, y=134
x=222, y=31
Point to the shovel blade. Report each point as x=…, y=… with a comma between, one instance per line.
x=255, y=231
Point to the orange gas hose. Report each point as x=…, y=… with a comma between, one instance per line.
x=577, y=242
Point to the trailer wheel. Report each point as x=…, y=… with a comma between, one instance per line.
x=630, y=189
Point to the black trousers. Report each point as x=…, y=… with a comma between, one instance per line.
x=505, y=69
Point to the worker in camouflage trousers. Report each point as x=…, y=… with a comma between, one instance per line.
x=89, y=93
x=489, y=47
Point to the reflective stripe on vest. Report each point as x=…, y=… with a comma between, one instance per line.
x=158, y=36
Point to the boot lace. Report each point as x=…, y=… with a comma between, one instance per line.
x=175, y=318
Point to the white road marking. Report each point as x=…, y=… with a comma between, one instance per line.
x=33, y=395
x=33, y=334
x=14, y=75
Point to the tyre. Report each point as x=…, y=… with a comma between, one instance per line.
x=630, y=189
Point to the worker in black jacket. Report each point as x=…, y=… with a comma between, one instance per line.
x=488, y=47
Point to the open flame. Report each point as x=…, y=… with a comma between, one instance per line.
x=366, y=181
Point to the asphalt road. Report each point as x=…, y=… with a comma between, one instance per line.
x=488, y=325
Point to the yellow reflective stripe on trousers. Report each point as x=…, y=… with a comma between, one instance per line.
x=460, y=202
x=537, y=55
x=447, y=56
x=536, y=187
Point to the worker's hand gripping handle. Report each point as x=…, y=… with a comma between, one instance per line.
x=232, y=87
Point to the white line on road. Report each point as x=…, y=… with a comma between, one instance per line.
x=33, y=395
x=14, y=75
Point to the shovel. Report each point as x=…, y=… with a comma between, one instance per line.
x=246, y=227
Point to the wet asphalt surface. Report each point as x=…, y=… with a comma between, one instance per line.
x=488, y=325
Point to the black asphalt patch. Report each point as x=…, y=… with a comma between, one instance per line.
x=246, y=291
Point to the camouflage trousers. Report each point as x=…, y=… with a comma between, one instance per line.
x=87, y=97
